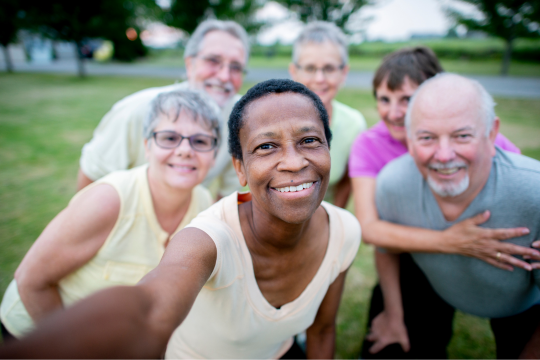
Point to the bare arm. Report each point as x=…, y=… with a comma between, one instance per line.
x=128, y=322
x=321, y=335
x=389, y=327
x=464, y=238
x=343, y=190
x=83, y=180
x=70, y=240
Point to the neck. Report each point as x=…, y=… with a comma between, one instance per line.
x=170, y=204
x=329, y=110
x=453, y=207
x=269, y=235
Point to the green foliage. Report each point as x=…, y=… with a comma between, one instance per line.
x=187, y=15
x=506, y=19
x=9, y=21
x=78, y=20
x=336, y=11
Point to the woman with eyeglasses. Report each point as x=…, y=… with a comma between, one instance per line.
x=115, y=231
x=320, y=62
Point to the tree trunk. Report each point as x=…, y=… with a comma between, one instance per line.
x=80, y=60
x=7, y=59
x=507, y=56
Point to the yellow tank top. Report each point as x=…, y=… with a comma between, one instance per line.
x=133, y=248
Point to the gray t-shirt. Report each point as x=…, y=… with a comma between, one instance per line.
x=511, y=194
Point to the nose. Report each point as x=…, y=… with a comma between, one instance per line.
x=184, y=148
x=292, y=160
x=395, y=112
x=444, y=152
x=224, y=73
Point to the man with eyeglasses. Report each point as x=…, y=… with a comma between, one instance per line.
x=215, y=58
x=320, y=62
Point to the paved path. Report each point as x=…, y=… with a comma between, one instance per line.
x=518, y=87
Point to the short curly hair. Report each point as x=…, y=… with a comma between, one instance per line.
x=273, y=86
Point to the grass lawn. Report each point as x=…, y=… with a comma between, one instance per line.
x=45, y=120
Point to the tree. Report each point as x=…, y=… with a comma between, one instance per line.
x=336, y=11
x=9, y=24
x=506, y=19
x=186, y=15
x=77, y=21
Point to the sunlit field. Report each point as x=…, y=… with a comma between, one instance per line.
x=45, y=120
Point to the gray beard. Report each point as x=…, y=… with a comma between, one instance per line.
x=448, y=189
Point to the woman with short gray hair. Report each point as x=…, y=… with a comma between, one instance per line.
x=320, y=62
x=114, y=231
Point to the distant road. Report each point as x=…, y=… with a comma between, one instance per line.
x=516, y=87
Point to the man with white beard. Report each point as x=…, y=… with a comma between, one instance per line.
x=215, y=57
x=454, y=171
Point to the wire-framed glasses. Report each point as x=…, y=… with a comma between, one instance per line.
x=170, y=140
x=327, y=70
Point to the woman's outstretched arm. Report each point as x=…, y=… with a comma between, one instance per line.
x=70, y=240
x=464, y=238
x=127, y=322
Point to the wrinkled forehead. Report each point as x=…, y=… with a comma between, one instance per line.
x=221, y=43
x=283, y=108
x=456, y=103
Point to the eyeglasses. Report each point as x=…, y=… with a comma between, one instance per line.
x=171, y=140
x=328, y=71
x=216, y=63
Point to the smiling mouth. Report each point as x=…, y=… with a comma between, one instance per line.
x=295, y=188
x=447, y=170
x=218, y=88
x=183, y=167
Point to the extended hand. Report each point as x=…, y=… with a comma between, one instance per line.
x=469, y=239
x=386, y=330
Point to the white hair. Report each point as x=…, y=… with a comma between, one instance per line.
x=487, y=104
x=319, y=32
x=198, y=104
x=193, y=45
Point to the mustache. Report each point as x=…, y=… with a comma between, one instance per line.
x=448, y=165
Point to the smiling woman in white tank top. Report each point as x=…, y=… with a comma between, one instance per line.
x=115, y=231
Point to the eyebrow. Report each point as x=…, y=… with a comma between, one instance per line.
x=465, y=128
x=305, y=129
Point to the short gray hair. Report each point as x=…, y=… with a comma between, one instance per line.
x=487, y=104
x=199, y=105
x=193, y=45
x=319, y=32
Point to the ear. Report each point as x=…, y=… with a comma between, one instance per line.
x=189, y=64
x=240, y=171
x=146, y=149
x=293, y=71
x=345, y=72
x=493, y=134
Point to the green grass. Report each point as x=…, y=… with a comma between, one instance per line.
x=45, y=120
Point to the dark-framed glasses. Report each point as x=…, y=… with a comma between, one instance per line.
x=217, y=63
x=171, y=140
x=327, y=70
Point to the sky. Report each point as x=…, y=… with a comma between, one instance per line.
x=391, y=20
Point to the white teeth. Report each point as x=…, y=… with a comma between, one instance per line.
x=295, y=188
x=448, y=171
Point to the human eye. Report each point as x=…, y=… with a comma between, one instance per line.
x=425, y=138
x=236, y=68
x=311, y=141
x=310, y=69
x=329, y=69
x=383, y=100
x=213, y=61
x=464, y=137
x=167, y=138
x=266, y=147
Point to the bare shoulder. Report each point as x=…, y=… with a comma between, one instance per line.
x=95, y=208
